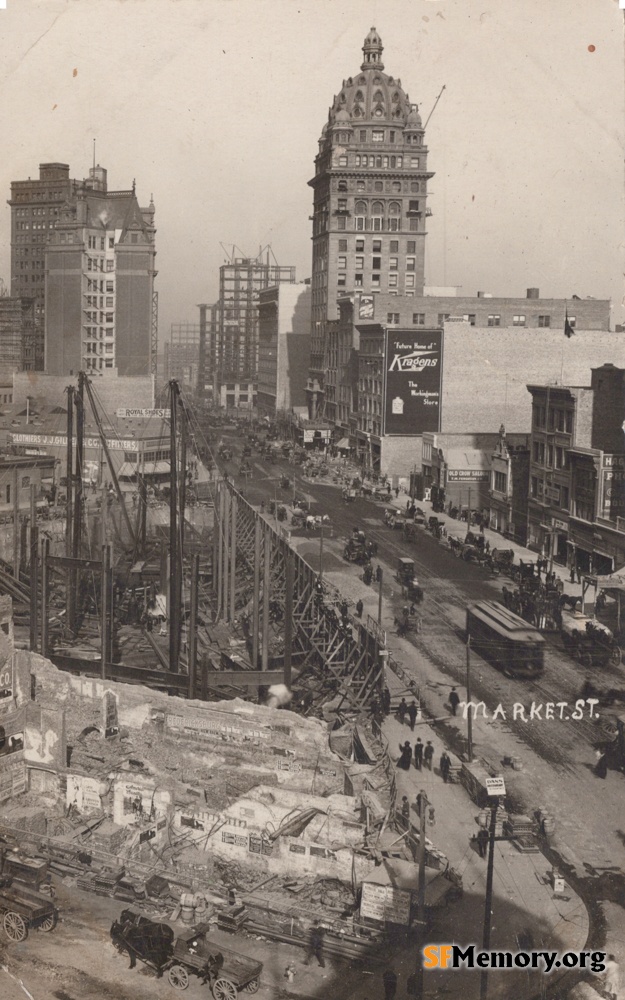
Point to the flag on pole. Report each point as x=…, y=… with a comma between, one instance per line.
x=568, y=329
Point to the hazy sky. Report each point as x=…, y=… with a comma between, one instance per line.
x=216, y=107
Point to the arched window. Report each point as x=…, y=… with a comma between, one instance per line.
x=378, y=161
x=377, y=211
x=394, y=208
x=378, y=97
x=358, y=96
x=361, y=208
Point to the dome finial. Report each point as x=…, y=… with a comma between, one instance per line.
x=372, y=51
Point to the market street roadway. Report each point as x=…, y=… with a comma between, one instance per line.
x=557, y=754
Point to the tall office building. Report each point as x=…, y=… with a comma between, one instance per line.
x=240, y=281
x=369, y=203
x=86, y=256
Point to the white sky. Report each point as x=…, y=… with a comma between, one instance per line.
x=215, y=107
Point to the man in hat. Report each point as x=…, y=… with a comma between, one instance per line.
x=428, y=754
x=454, y=700
x=412, y=714
x=418, y=754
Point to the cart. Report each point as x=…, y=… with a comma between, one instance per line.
x=589, y=641
x=23, y=908
x=405, y=571
x=228, y=972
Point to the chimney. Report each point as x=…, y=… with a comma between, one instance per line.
x=533, y=293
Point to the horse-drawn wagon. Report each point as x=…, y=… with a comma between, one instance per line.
x=23, y=908
x=589, y=641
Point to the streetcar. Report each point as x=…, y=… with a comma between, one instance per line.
x=508, y=641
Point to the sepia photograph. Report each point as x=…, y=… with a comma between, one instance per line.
x=312, y=500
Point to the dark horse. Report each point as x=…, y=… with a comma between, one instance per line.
x=144, y=939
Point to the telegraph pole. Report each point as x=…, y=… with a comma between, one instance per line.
x=488, y=903
x=469, y=718
x=423, y=808
x=380, y=599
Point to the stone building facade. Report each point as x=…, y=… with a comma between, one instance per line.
x=369, y=206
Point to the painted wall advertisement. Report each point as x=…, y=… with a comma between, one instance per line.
x=413, y=373
x=613, y=486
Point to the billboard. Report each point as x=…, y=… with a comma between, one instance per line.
x=412, y=375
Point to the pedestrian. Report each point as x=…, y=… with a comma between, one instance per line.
x=454, y=700
x=412, y=714
x=359, y=608
x=572, y=576
x=418, y=754
x=428, y=753
x=445, y=764
x=411, y=986
x=401, y=711
x=389, y=978
x=406, y=756
x=578, y=571
x=405, y=808
x=601, y=766
x=378, y=574
x=612, y=978
x=408, y=504
x=422, y=801
x=482, y=841
x=315, y=944
x=396, y=492
x=386, y=701
x=344, y=609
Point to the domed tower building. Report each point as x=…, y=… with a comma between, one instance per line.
x=370, y=206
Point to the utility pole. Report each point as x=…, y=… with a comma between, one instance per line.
x=488, y=903
x=380, y=599
x=423, y=808
x=192, y=638
x=174, y=555
x=469, y=718
x=321, y=553
x=70, y=591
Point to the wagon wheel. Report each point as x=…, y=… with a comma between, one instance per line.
x=15, y=926
x=178, y=977
x=615, y=655
x=49, y=922
x=252, y=986
x=223, y=989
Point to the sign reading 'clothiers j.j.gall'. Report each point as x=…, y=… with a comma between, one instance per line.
x=413, y=373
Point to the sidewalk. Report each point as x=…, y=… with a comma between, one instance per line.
x=524, y=906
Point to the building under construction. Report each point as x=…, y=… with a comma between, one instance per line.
x=240, y=281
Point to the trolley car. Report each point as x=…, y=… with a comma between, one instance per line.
x=510, y=643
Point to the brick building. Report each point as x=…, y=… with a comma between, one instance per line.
x=576, y=509
x=497, y=359
x=99, y=287
x=509, y=487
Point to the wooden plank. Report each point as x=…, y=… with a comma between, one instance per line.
x=252, y=677
x=71, y=563
x=120, y=672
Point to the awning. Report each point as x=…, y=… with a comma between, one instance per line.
x=343, y=444
x=613, y=581
x=128, y=470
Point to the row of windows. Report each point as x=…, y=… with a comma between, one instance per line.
x=559, y=419
x=92, y=300
x=29, y=213
x=30, y=196
x=375, y=281
x=554, y=494
x=378, y=207
x=34, y=278
x=378, y=162
x=95, y=242
x=23, y=226
x=97, y=348
x=98, y=363
x=379, y=134
x=376, y=246
x=376, y=263
x=31, y=238
x=104, y=317
x=552, y=456
x=97, y=264
x=395, y=187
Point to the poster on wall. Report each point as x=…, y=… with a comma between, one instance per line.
x=366, y=307
x=413, y=376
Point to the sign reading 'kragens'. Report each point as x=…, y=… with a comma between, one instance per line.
x=413, y=374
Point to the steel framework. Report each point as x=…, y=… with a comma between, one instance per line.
x=290, y=617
